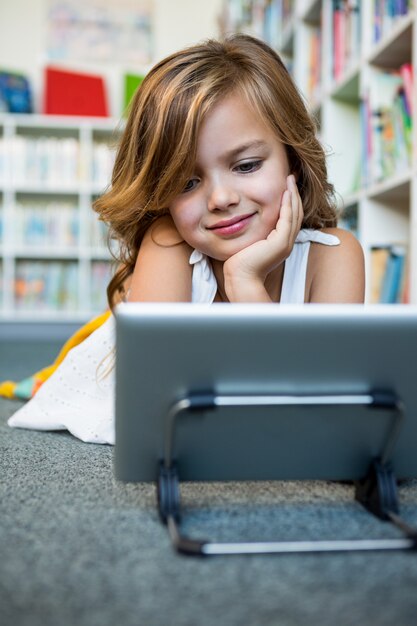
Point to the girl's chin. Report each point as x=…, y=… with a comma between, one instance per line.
x=241, y=244
x=230, y=247
x=222, y=258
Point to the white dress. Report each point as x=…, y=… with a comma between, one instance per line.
x=79, y=396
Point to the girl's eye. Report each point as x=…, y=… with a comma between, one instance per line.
x=248, y=166
x=190, y=185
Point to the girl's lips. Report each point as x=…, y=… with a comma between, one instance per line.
x=230, y=227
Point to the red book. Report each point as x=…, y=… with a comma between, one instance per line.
x=338, y=28
x=73, y=93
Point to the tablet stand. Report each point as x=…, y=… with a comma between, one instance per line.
x=377, y=492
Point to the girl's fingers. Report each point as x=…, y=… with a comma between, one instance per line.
x=286, y=216
x=297, y=207
x=294, y=207
x=280, y=239
x=261, y=257
x=300, y=209
x=289, y=220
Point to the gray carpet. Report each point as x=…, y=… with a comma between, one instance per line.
x=79, y=548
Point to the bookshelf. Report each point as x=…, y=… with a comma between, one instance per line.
x=54, y=260
x=353, y=61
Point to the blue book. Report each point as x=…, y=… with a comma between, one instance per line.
x=15, y=93
x=391, y=283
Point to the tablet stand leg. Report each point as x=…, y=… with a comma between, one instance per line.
x=377, y=492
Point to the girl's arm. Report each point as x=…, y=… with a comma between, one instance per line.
x=162, y=272
x=245, y=272
x=336, y=274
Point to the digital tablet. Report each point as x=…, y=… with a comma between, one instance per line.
x=265, y=391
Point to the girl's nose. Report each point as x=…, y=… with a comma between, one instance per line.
x=222, y=196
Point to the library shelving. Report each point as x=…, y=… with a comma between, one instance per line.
x=54, y=259
x=354, y=62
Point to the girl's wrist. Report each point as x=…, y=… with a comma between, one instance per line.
x=239, y=289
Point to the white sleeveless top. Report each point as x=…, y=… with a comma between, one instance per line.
x=79, y=396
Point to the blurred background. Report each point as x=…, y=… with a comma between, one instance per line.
x=68, y=69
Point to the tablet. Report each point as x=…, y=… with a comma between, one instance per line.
x=277, y=391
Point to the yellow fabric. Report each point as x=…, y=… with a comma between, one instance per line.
x=8, y=387
x=77, y=338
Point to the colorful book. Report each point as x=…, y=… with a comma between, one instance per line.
x=406, y=72
x=405, y=287
x=386, y=14
x=379, y=260
x=387, y=126
x=46, y=286
x=393, y=276
x=345, y=36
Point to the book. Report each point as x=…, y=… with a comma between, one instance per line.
x=101, y=273
x=47, y=160
x=387, y=126
x=74, y=93
x=346, y=35
x=402, y=133
x=379, y=259
x=386, y=14
x=405, y=287
x=15, y=93
x=131, y=83
x=349, y=219
x=313, y=86
x=46, y=286
x=389, y=274
x=103, y=157
x=393, y=276
x=338, y=38
x=406, y=72
x=54, y=224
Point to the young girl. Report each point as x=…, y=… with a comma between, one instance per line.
x=219, y=194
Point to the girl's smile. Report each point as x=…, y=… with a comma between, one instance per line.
x=234, y=196
x=226, y=228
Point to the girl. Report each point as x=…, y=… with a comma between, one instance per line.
x=219, y=194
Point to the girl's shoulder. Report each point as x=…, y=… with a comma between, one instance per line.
x=336, y=273
x=348, y=243
x=164, y=233
x=162, y=270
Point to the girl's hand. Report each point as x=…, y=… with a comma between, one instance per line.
x=249, y=268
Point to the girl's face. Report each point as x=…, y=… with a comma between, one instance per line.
x=233, y=198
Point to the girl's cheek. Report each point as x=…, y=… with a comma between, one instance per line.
x=185, y=219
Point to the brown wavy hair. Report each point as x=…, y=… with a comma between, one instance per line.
x=157, y=151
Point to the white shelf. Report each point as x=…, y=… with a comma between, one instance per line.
x=45, y=252
x=287, y=43
x=309, y=11
x=347, y=88
x=99, y=254
x=35, y=315
x=76, y=189
x=352, y=198
x=63, y=122
x=47, y=189
x=73, y=260
x=395, y=48
x=392, y=189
